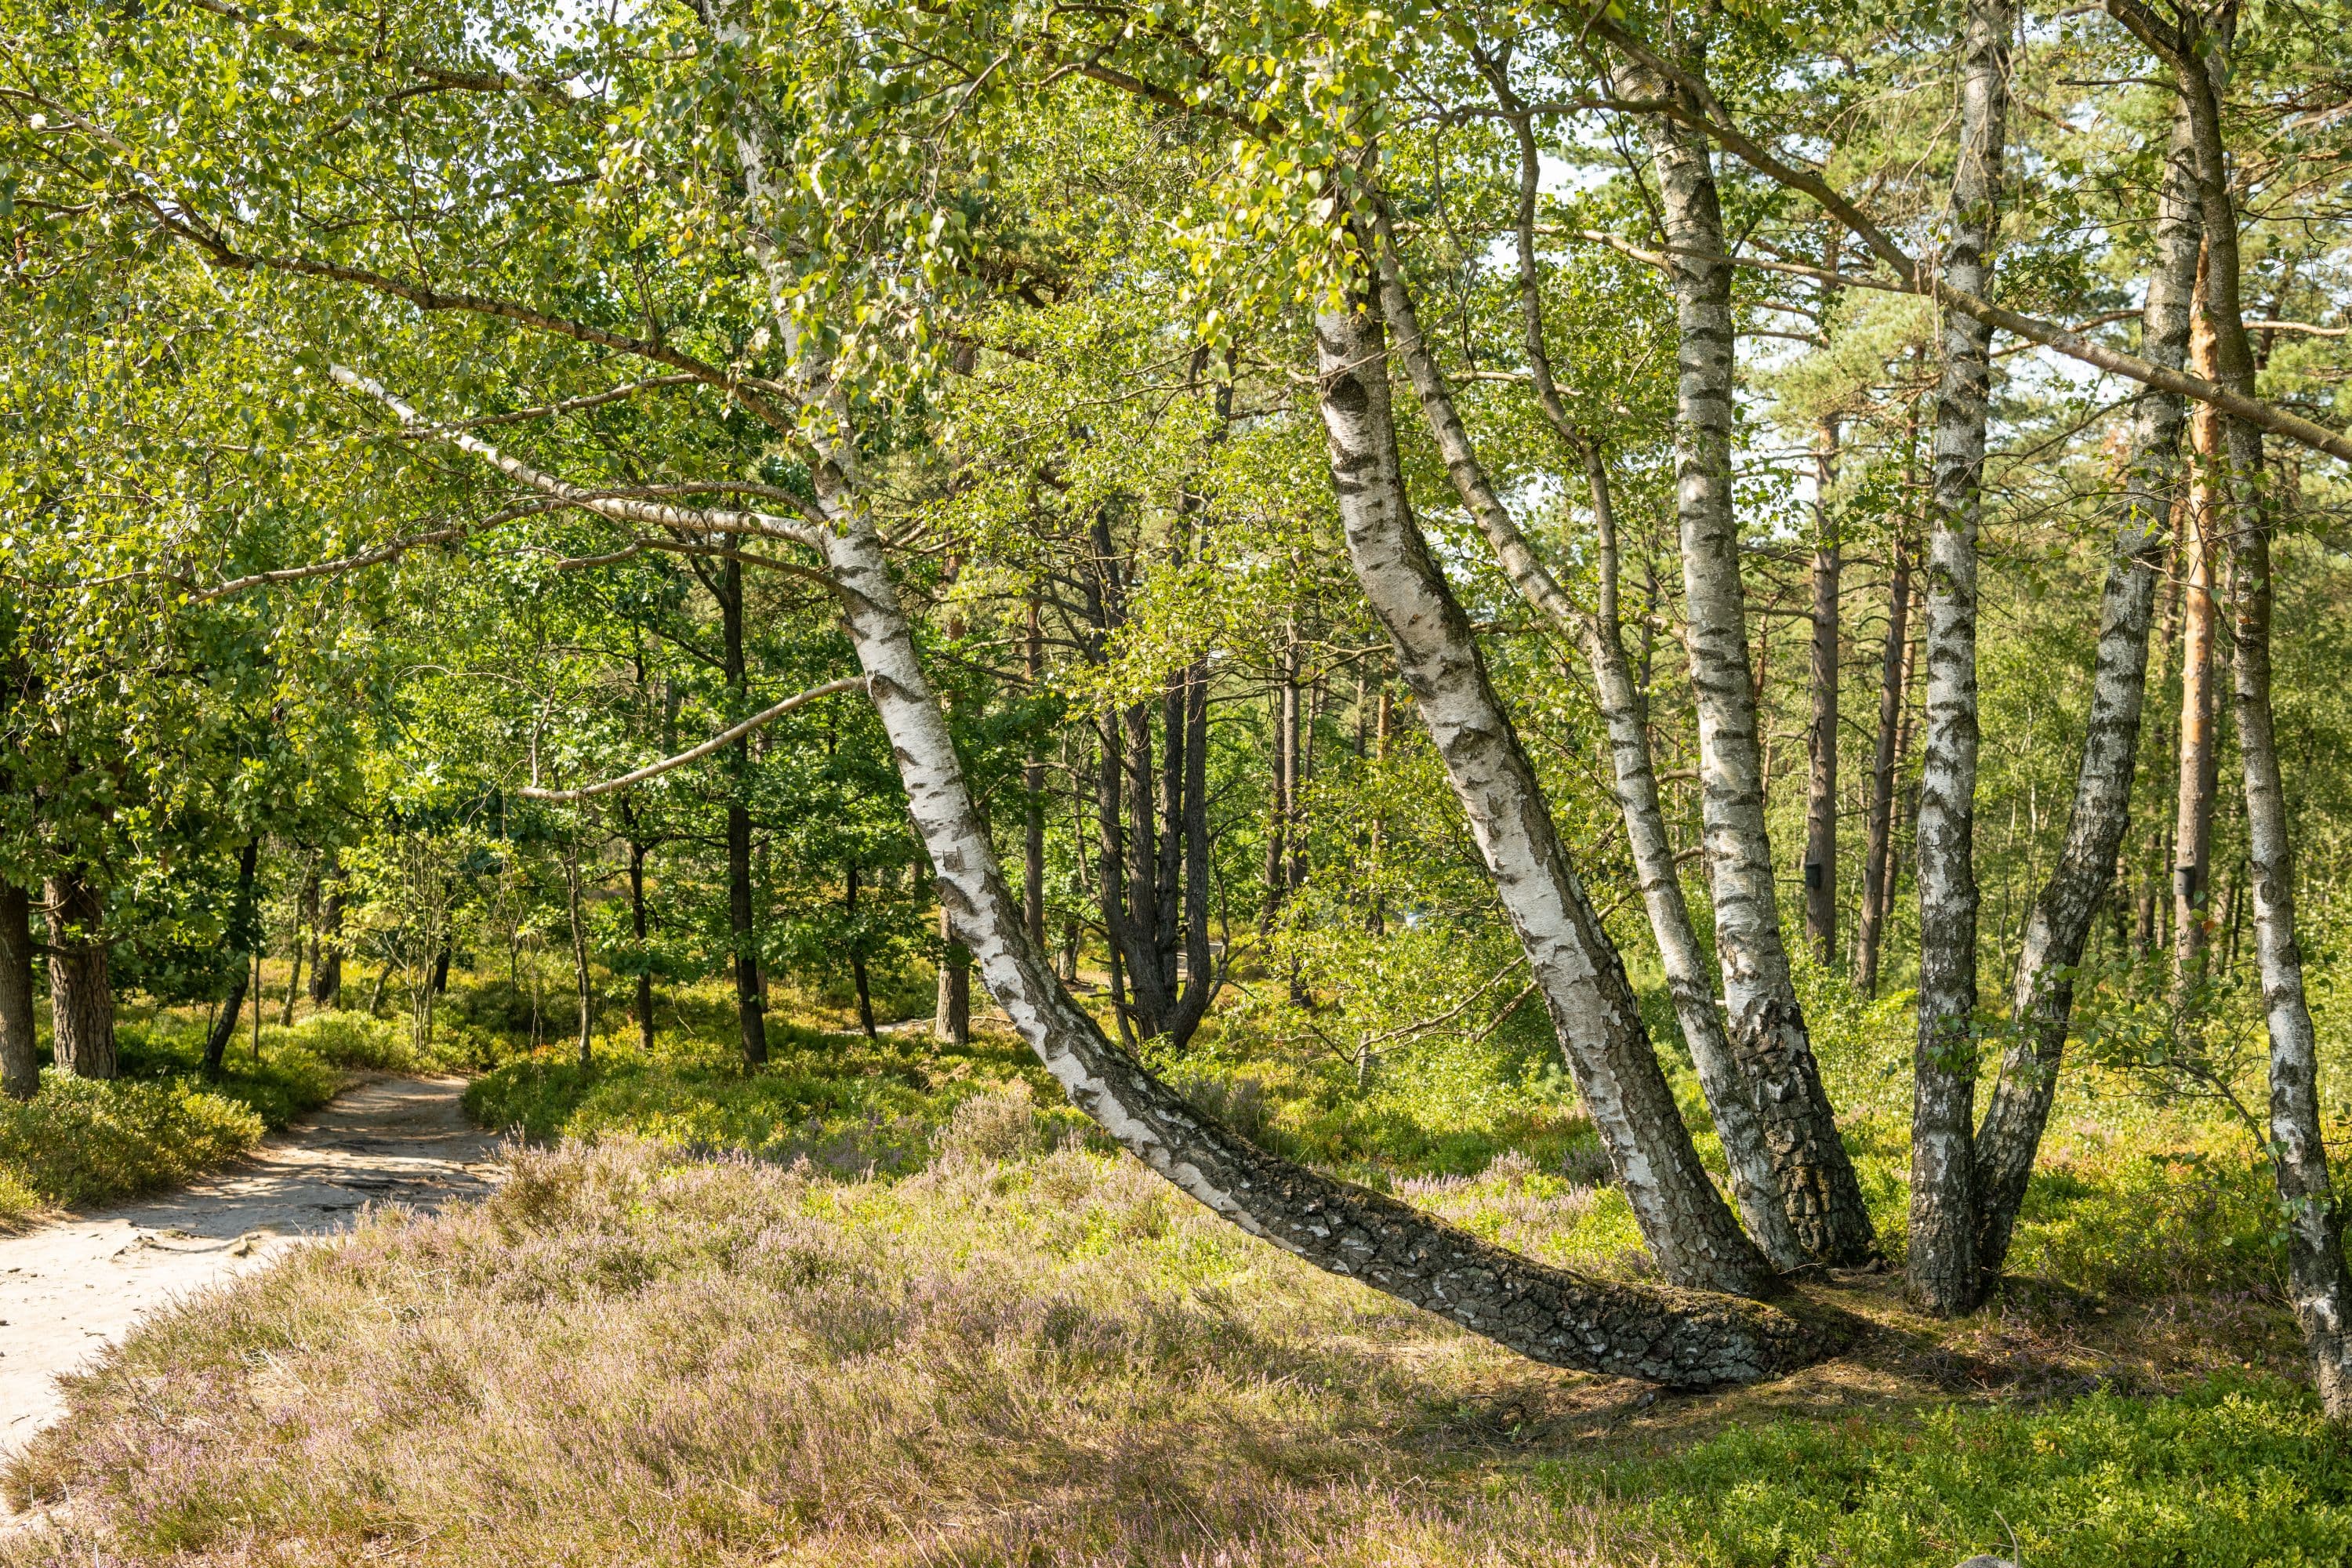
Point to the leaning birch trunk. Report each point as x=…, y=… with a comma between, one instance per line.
x=1754, y=1183
x=2317, y=1278
x=1552, y=1315
x=1818, y=1186
x=2043, y=997
x=1943, y=1267
x=1570, y=956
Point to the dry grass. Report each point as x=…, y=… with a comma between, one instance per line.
x=1030, y=1351
x=632, y=1356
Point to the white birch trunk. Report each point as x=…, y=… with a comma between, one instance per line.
x=1942, y=1268
x=1819, y=1191
x=2043, y=996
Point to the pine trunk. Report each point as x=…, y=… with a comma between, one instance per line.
x=1879, y=842
x=2205, y=519
x=1821, y=864
x=751, y=1010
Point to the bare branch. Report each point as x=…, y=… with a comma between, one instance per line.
x=619, y=509
x=715, y=743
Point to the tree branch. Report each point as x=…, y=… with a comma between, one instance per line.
x=717, y=743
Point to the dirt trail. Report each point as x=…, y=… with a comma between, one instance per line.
x=71, y=1289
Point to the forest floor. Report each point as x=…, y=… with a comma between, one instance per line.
x=72, y=1288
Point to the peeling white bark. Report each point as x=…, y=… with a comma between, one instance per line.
x=1819, y=1191
x=1570, y=956
x=1942, y=1268
x=2042, y=998
x=1754, y=1183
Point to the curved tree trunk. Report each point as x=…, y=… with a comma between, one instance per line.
x=1569, y=957
x=1943, y=1264
x=1730, y=1101
x=20, y=1069
x=1553, y=1315
x=81, y=990
x=1818, y=1186
x=2061, y=922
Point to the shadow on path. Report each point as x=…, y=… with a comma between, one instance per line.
x=68, y=1289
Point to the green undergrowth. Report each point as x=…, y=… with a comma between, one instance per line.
x=2231, y=1473
x=81, y=1142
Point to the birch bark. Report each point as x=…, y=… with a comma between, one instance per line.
x=1766, y=1026
x=1662, y=1334
x=2318, y=1281
x=2042, y=998
x=1689, y=1230
x=1943, y=1273
x=1730, y=1101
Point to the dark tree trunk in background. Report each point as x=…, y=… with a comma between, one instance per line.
x=1878, y=839
x=1283, y=811
x=645, y=997
x=1819, y=1190
x=750, y=1013
x=81, y=989
x=582, y=984
x=1943, y=1272
x=326, y=968
x=243, y=938
x=2042, y=998
x=306, y=913
x=20, y=1071
x=1821, y=863
x=440, y=970
x=858, y=956
x=1033, y=783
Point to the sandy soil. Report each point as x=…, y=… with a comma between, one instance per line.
x=70, y=1289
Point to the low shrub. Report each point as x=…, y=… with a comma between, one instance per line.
x=83, y=1141
x=2231, y=1473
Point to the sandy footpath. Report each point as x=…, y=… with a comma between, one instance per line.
x=68, y=1289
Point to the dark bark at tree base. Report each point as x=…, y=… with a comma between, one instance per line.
x=81, y=989
x=20, y=1072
